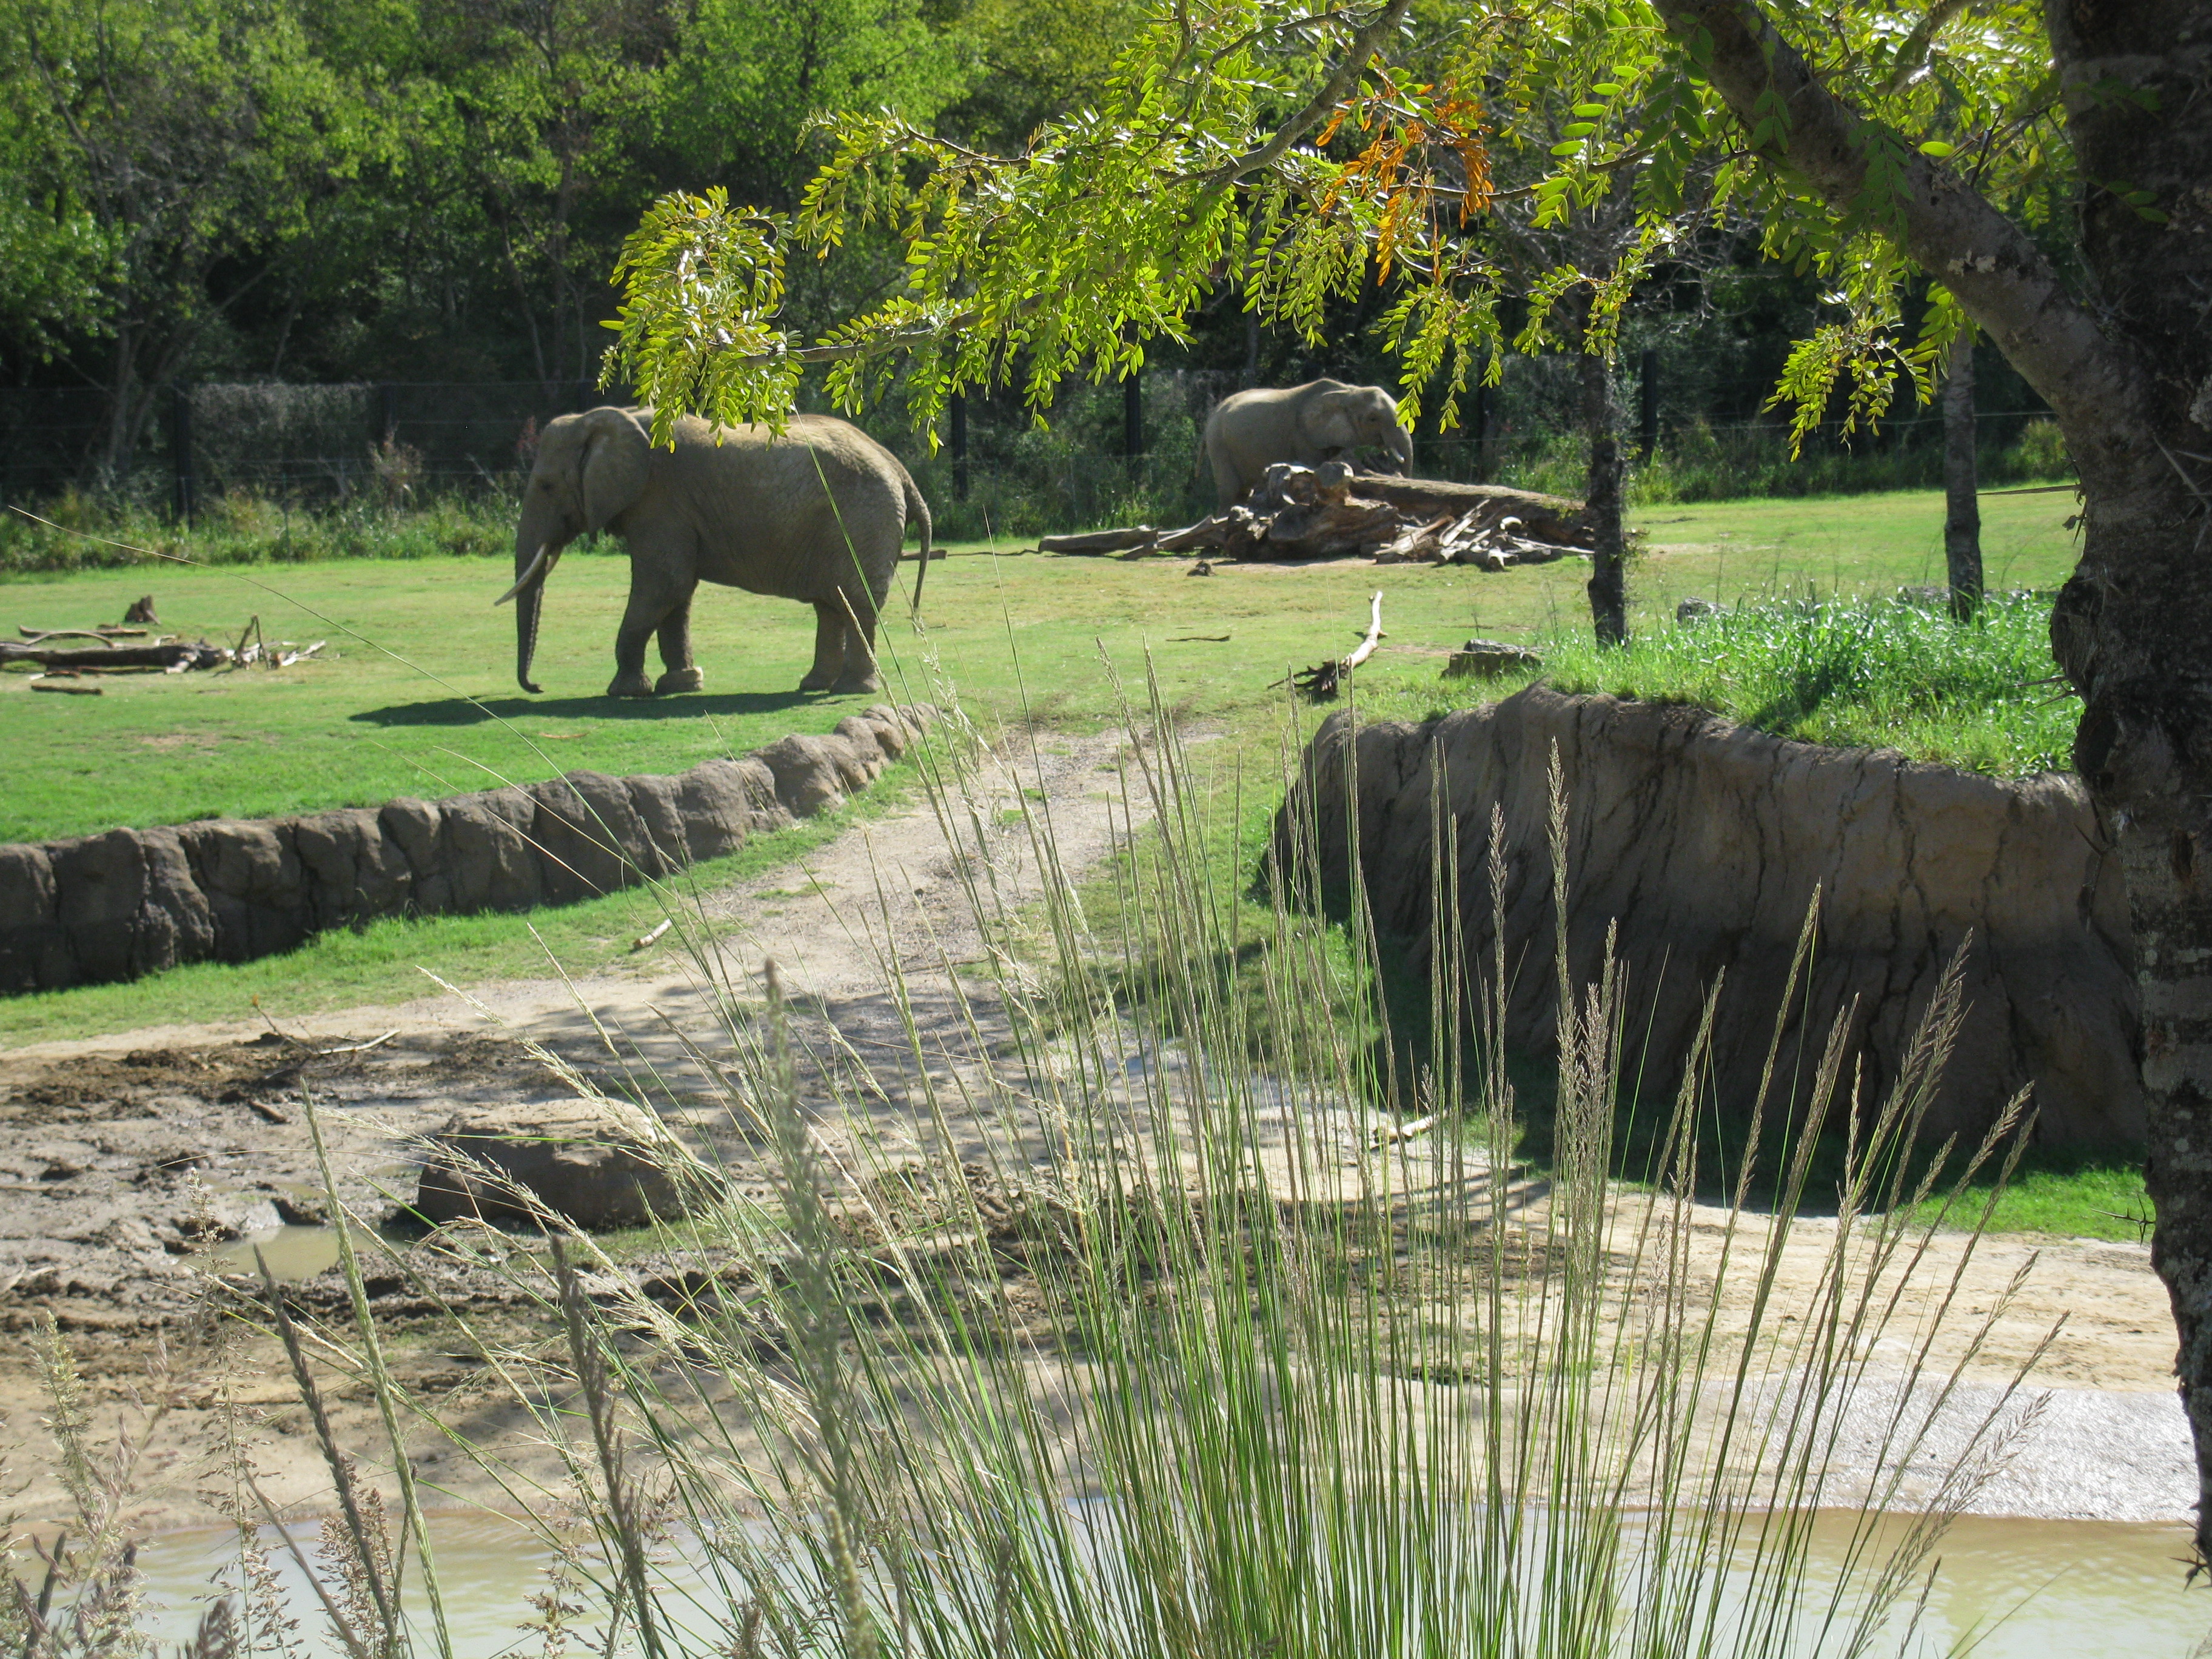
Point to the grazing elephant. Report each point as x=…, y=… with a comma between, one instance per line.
x=816, y=515
x=1249, y=431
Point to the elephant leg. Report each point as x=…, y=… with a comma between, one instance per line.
x=683, y=674
x=1227, y=484
x=829, y=648
x=652, y=599
x=859, y=632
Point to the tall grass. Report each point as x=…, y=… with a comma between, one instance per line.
x=1884, y=672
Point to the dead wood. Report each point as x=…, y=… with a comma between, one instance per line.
x=176, y=658
x=1100, y=541
x=1323, y=680
x=66, y=689
x=142, y=612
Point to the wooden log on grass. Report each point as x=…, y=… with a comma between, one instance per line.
x=1323, y=680
x=1551, y=518
x=1100, y=541
x=176, y=657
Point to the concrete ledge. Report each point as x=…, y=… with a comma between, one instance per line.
x=125, y=903
x=1706, y=840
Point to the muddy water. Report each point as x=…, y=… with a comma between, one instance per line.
x=2026, y=1590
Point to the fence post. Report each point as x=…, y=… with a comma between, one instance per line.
x=957, y=411
x=1650, y=390
x=181, y=448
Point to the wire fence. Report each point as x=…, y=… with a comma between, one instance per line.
x=1107, y=453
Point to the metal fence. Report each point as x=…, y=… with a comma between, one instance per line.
x=310, y=445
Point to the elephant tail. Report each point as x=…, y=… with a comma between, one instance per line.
x=917, y=512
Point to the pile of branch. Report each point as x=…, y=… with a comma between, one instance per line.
x=162, y=650
x=1304, y=513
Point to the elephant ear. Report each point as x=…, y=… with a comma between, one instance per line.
x=1327, y=420
x=615, y=448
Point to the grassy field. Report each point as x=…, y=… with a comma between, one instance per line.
x=418, y=697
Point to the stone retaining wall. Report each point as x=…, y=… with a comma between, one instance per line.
x=1705, y=840
x=131, y=902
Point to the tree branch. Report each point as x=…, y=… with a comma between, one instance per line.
x=1999, y=276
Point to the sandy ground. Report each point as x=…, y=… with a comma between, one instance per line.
x=127, y=1158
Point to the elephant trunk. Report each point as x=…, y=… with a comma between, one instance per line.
x=536, y=551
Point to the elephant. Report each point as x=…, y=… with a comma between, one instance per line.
x=817, y=514
x=1250, y=431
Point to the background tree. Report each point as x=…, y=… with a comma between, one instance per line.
x=179, y=139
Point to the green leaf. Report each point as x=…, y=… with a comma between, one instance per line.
x=1607, y=89
x=1578, y=130
x=1572, y=147
x=1590, y=110
x=1938, y=148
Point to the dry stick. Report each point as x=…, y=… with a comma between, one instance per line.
x=1374, y=637
x=646, y=940
x=67, y=690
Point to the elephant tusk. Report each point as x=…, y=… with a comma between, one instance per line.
x=538, y=569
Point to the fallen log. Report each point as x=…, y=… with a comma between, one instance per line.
x=1544, y=517
x=176, y=657
x=1100, y=541
x=40, y=635
x=66, y=689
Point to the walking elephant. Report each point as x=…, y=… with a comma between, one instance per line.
x=1320, y=420
x=818, y=515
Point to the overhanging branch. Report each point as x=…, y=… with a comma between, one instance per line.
x=1999, y=276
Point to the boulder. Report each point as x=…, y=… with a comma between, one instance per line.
x=587, y=835
x=414, y=827
x=256, y=892
x=33, y=955
x=657, y=801
x=1484, y=658
x=354, y=869
x=714, y=806
x=483, y=846
x=810, y=772
x=597, y=1163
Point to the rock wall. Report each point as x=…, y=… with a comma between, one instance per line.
x=1706, y=840
x=131, y=902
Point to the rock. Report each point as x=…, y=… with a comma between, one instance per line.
x=256, y=890
x=587, y=836
x=354, y=869
x=33, y=952
x=658, y=803
x=808, y=776
x=714, y=805
x=597, y=1163
x=415, y=827
x=484, y=844
x=1485, y=658
x=1695, y=610
x=1706, y=841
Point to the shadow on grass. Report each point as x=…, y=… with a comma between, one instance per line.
x=463, y=711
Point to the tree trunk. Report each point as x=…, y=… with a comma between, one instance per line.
x=1962, y=518
x=1608, y=582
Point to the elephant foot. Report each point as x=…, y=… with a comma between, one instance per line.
x=816, y=683
x=634, y=685
x=862, y=682
x=681, y=679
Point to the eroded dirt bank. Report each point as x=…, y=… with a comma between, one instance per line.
x=1706, y=841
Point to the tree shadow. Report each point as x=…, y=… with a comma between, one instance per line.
x=464, y=711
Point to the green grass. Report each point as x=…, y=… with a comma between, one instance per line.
x=1018, y=638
